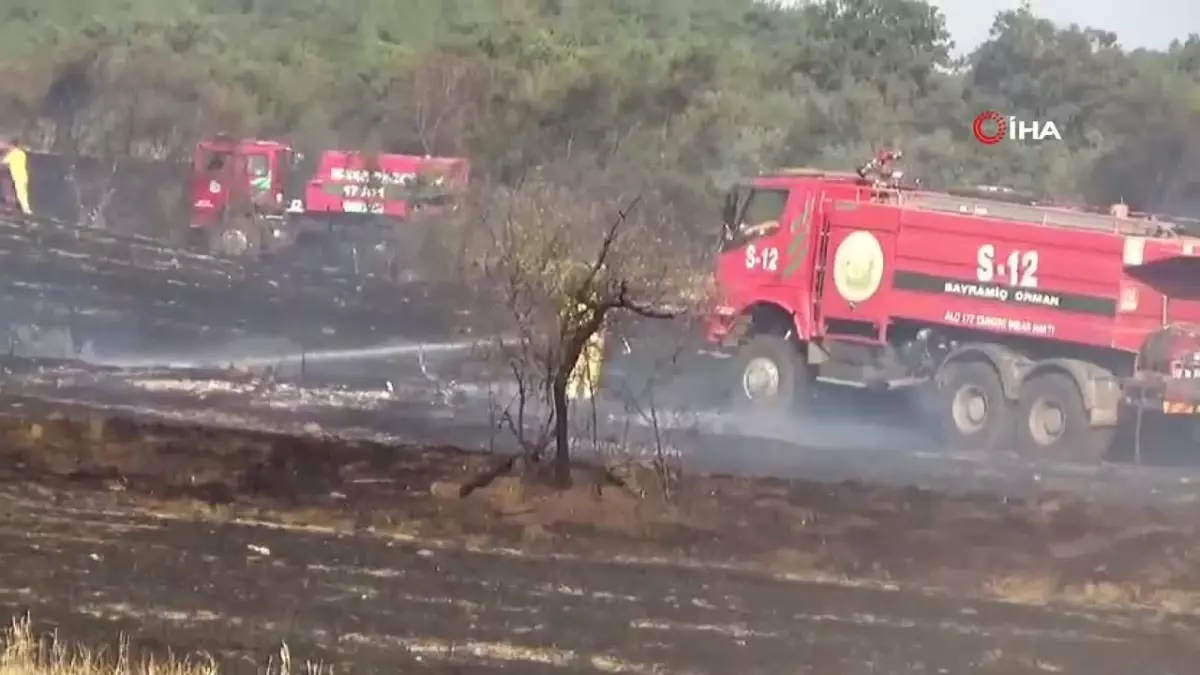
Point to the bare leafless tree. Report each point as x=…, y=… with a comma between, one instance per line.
x=564, y=252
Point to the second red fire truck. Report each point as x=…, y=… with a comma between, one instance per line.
x=250, y=195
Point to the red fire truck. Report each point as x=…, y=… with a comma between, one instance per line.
x=1029, y=327
x=256, y=195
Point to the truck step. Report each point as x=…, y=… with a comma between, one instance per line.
x=880, y=385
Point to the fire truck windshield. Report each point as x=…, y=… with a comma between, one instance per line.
x=750, y=208
x=763, y=207
x=216, y=160
x=751, y=213
x=258, y=165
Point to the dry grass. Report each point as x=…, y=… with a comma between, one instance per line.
x=24, y=652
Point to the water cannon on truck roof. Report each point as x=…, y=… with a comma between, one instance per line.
x=1029, y=327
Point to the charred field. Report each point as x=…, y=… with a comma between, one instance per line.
x=79, y=292
x=200, y=511
x=363, y=556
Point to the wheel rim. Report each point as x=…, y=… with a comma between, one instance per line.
x=234, y=242
x=1047, y=422
x=760, y=379
x=969, y=409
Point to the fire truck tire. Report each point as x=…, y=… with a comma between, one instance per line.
x=1052, y=422
x=769, y=376
x=237, y=238
x=973, y=412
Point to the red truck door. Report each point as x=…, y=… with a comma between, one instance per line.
x=211, y=169
x=258, y=175
x=794, y=279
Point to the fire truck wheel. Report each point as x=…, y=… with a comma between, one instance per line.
x=974, y=413
x=229, y=242
x=1053, y=424
x=237, y=238
x=769, y=376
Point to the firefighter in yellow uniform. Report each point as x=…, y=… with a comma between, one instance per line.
x=584, y=381
x=18, y=168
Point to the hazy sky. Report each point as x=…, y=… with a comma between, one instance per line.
x=1137, y=23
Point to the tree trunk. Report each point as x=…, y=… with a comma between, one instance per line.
x=562, y=431
x=574, y=341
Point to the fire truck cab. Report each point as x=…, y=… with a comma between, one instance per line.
x=239, y=192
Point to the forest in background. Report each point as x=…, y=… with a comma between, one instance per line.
x=679, y=96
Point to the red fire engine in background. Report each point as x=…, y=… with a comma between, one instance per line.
x=256, y=195
x=1032, y=328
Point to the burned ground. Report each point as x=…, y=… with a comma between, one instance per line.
x=1047, y=547
x=368, y=604
x=364, y=556
x=361, y=554
x=69, y=291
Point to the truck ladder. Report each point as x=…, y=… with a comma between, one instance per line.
x=820, y=264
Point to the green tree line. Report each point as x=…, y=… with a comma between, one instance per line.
x=688, y=94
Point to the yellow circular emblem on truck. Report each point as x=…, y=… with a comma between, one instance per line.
x=858, y=266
